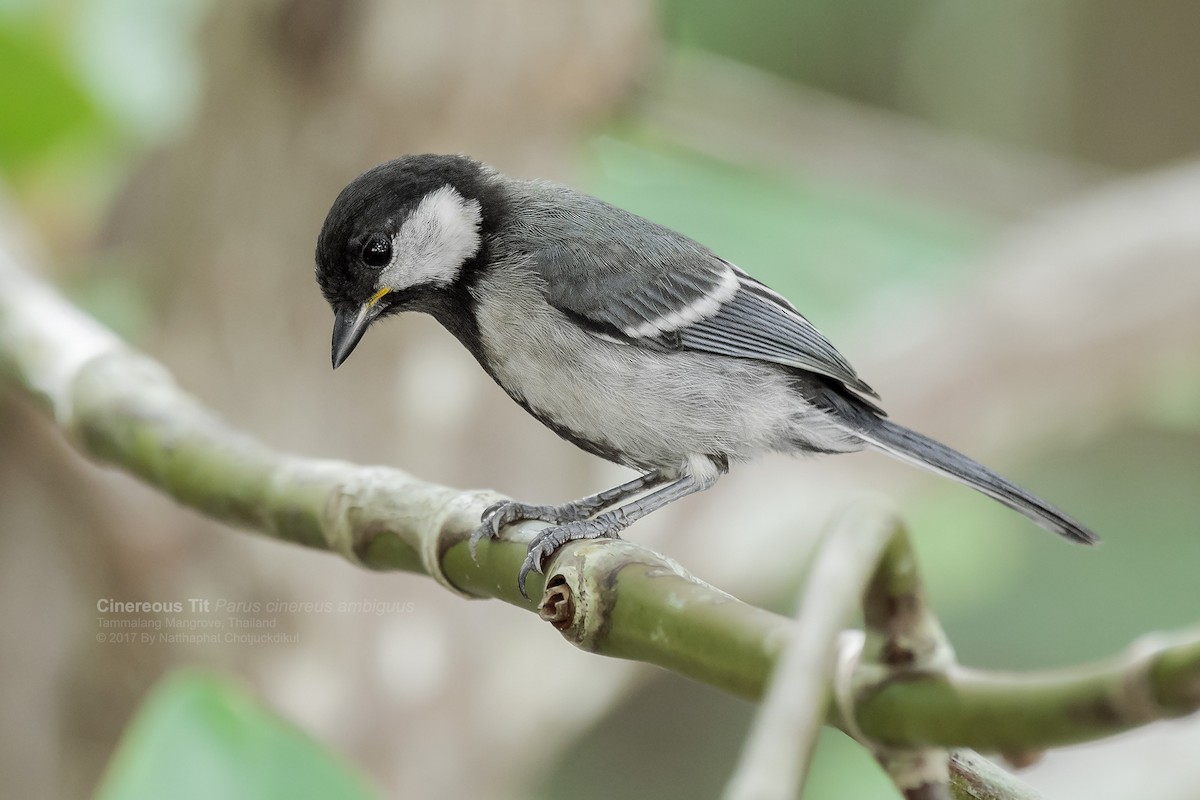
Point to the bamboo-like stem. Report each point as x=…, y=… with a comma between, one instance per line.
x=119, y=407
x=779, y=748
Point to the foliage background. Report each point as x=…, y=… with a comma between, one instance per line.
x=878, y=162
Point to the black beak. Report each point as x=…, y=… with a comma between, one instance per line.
x=349, y=325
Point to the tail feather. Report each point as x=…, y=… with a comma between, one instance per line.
x=910, y=446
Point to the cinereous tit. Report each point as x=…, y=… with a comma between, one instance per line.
x=626, y=338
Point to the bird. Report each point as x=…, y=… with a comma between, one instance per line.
x=626, y=338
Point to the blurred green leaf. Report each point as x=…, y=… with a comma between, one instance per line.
x=200, y=736
x=45, y=105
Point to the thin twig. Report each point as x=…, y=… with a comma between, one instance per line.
x=973, y=777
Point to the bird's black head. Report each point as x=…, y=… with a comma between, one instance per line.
x=400, y=232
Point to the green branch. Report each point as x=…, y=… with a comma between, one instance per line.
x=613, y=598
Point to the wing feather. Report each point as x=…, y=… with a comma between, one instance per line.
x=623, y=277
x=751, y=325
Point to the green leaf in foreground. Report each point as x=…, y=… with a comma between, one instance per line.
x=199, y=735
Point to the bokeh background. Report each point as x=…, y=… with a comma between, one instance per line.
x=992, y=209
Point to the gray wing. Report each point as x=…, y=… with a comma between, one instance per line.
x=626, y=278
x=758, y=323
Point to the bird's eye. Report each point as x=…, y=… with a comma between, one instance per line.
x=377, y=251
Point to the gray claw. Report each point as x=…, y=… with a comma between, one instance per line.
x=506, y=512
x=554, y=537
x=493, y=518
x=473, y=543
x=532, y=563
x=485, y=530
x=566, y=526
x=493, y=508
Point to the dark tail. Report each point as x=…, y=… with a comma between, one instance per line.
x=914, y=448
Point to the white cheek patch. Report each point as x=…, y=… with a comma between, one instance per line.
x=432, y=245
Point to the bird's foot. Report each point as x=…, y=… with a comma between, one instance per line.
x=506, y=512
x=554, y=537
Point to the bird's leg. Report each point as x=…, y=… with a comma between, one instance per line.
x=608, y=524
x=506, y=512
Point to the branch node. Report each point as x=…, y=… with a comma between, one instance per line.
x=1134, y=697
x=902, y=636
x=588, y=571
x=454, y=521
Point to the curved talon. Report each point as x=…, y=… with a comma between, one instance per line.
x=506, y=512
x=491, y=511
x=489, y=527
x=532, y=563
x=497, y=515
x=554, y=537
x=540, y=549
x=482, y=532
x=493, y=518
